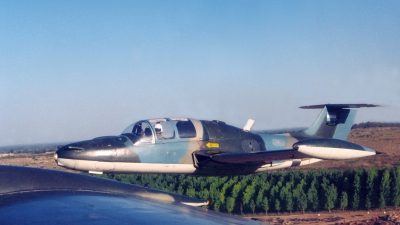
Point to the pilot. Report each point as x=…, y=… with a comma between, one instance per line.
x=138, y=130
x=159, y=130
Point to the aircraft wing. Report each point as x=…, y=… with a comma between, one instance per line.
x=319, y=148
x=248, y=157
x=39, y=196
x=256, y=157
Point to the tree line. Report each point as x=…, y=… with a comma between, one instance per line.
x=374, y=124
x=283, y=191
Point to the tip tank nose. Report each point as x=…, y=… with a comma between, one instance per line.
x=378, y=152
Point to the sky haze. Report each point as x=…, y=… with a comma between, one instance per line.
x=75, y=70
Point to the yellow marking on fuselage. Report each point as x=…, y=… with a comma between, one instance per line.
x=212, y=145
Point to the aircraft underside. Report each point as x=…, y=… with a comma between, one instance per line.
x=97, y=167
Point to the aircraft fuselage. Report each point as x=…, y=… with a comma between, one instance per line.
x=199, y=147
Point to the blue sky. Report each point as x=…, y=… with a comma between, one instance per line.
x=74, y=70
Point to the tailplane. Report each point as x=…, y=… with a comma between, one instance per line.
x=334, y=121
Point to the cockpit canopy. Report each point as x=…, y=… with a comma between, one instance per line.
x=149, y=131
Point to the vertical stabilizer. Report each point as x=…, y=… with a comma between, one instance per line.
x=334, y=121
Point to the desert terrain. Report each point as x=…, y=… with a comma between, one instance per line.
x=383, y=139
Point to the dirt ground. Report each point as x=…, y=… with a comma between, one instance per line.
x=41, y=160
x=333, y=218
x=385, y=140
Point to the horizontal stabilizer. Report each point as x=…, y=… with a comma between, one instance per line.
x=341, y=106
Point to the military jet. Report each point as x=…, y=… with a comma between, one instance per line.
x=201, y=147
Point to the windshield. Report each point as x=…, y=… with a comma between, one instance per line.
x=152, y=130
x=163, y=128
x=140, y=132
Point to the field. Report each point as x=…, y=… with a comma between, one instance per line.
x=40, y=160
x=385, y=140
x=333, y=218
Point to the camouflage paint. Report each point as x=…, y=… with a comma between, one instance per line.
x=204, y=147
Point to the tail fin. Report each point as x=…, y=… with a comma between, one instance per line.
x=334, y=121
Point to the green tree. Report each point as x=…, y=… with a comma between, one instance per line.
x=277, y=205
x=223, y=192
x=301, y=200
x=214, y=196
x=324, y=190
x=300, y=196
x=343, y=200
x=286, y=198
x=230, y=204
x=396, y=187
x=289, y=202
x=190, y=192
x=265, y=205
x=384, y=189
x=331, y=197
x=312, y=196
x=236, y=189
x=204, y=194
x=274, y=192
x=248, y=194
x=259, y=198
x=252, y=206
x=372, y=174
x=356, y=193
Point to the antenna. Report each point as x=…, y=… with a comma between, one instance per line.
x=248, y=125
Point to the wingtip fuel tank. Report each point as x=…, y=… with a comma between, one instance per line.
x=324, y=148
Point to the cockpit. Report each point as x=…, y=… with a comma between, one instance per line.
x=154, y=130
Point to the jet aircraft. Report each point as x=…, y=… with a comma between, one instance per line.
x=201, y=147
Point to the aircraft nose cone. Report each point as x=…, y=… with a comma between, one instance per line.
x=70, y=151
x=103, y=149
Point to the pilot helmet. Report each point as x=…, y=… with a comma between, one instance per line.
x=158, y=128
